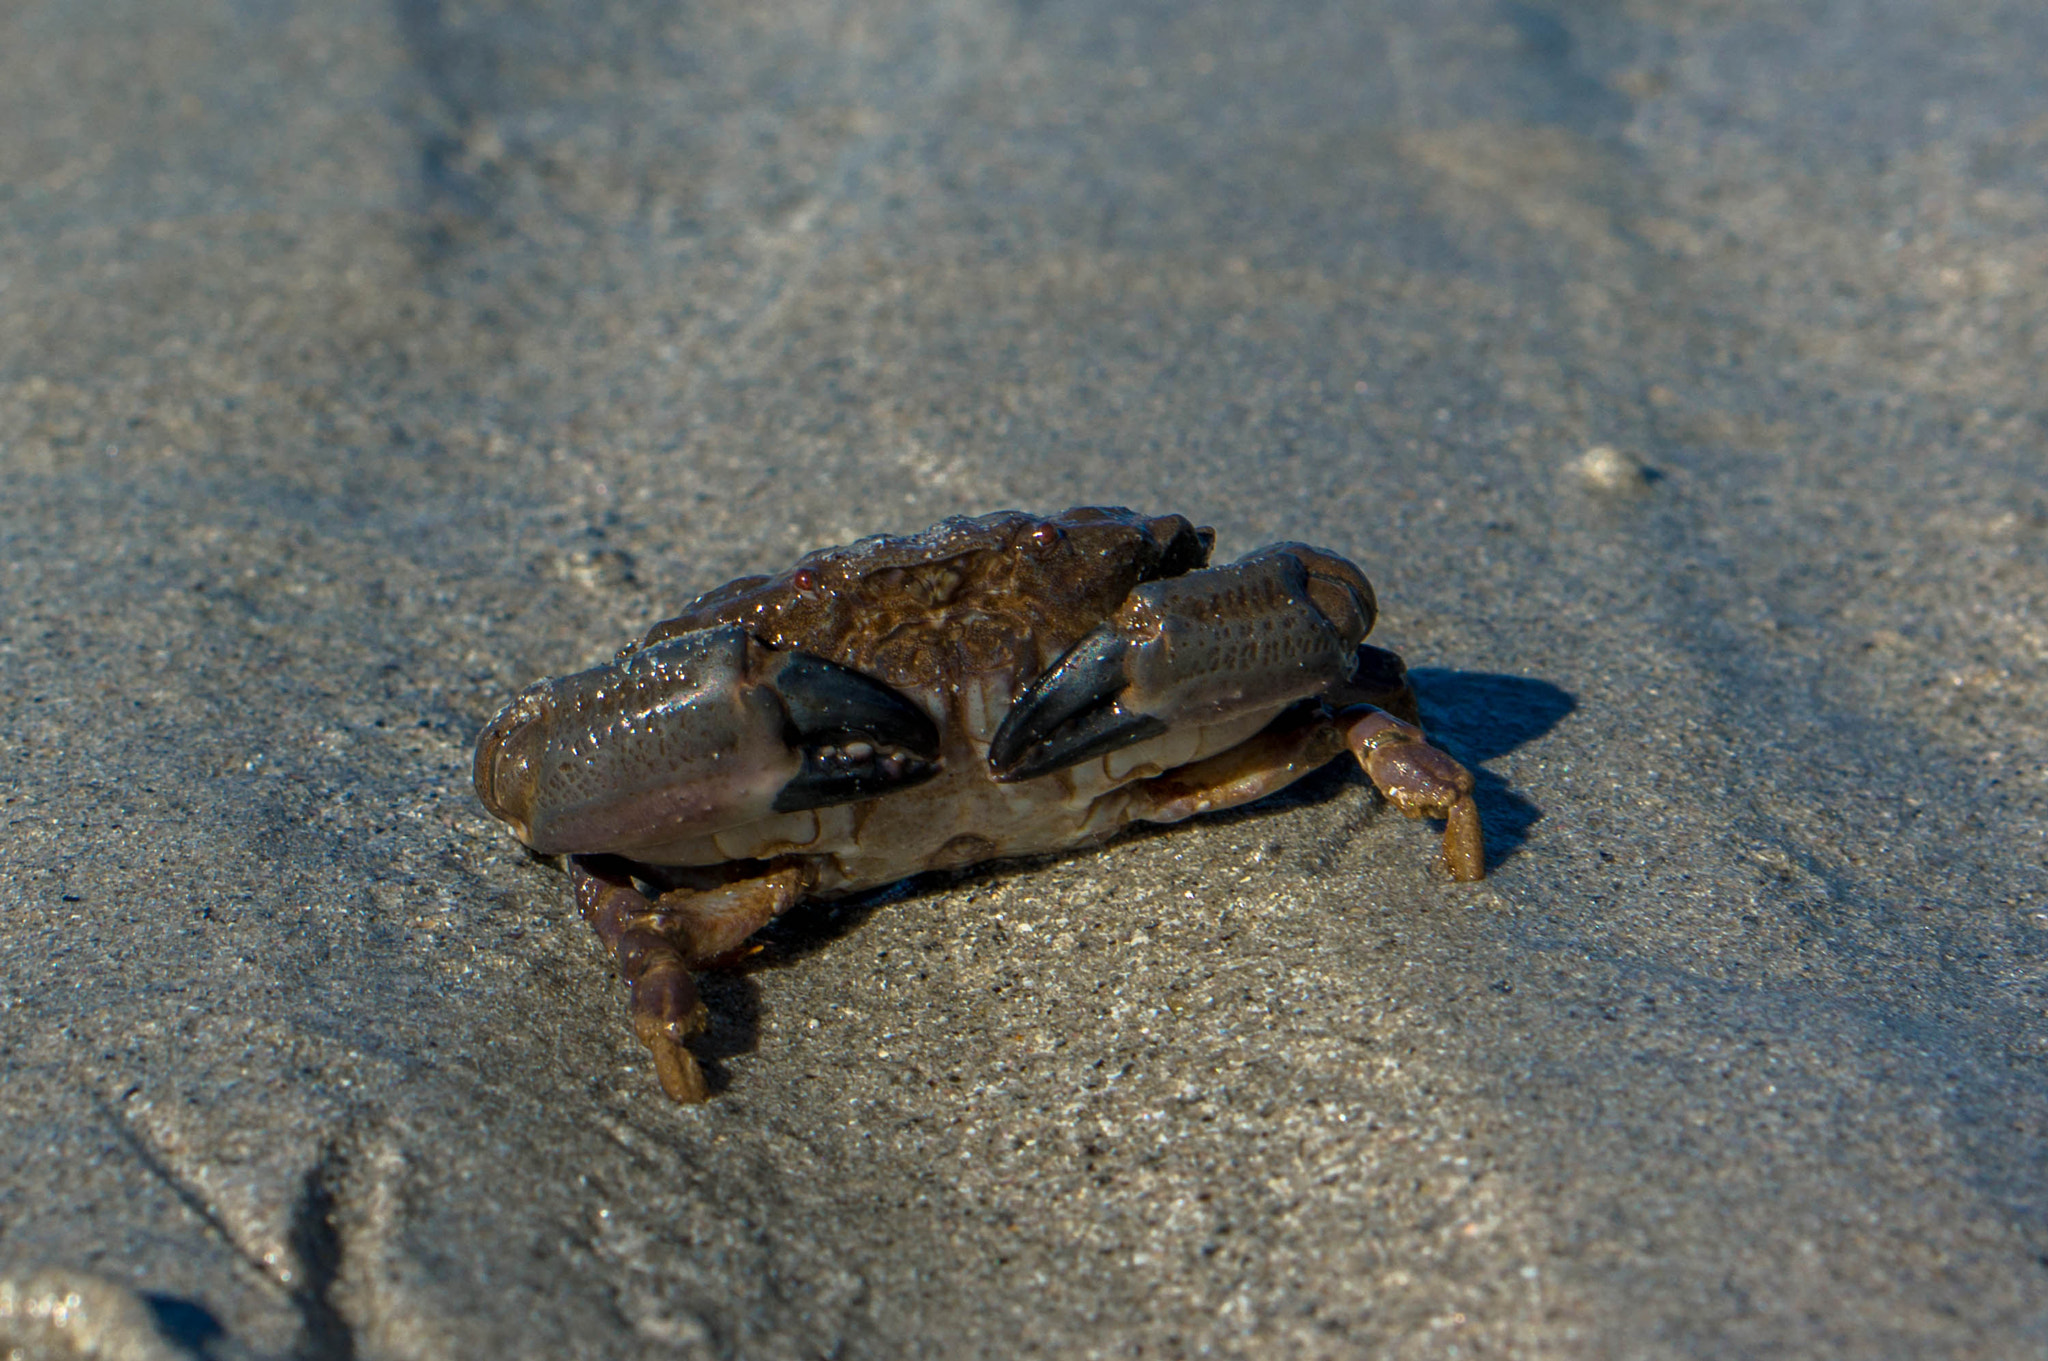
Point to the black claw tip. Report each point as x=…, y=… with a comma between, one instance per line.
x=859, y=737
x=831, y=704
x=1070, y=714
x=827, y=780
x=1106, y=729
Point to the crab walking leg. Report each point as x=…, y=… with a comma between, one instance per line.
x=657, y=942
x=1419, y=780
x=666, y=1008
x=1254, y=768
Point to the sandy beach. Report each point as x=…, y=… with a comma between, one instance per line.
x=1673, y=369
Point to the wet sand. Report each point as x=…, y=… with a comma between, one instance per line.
x=1672, y=369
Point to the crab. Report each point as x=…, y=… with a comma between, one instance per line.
x=1006, y=686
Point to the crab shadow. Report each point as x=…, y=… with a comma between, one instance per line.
x=1480, y=716
x=1477, y=716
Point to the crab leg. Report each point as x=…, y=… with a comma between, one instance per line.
x=1417, y=778
x=1247, y=772
x=1420, y=780
x=657, y=942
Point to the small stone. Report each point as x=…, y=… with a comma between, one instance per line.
x=1606, y=468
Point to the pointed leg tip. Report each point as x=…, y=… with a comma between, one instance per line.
x=666, y=1012
x=681, y=1076
x=1464, y=842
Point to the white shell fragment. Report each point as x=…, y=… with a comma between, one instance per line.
x=1608, y=469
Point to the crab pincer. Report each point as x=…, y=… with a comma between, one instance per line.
x=707, y=729
x=1279, y=626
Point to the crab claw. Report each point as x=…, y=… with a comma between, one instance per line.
x=1206, y=647
x=1072, y=712
x=699, y=732
x=859, y=737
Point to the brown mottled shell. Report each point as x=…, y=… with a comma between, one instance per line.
x=967, y=597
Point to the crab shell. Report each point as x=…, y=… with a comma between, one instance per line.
x=991, y=687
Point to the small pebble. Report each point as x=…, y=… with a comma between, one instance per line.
x=1606, y=468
